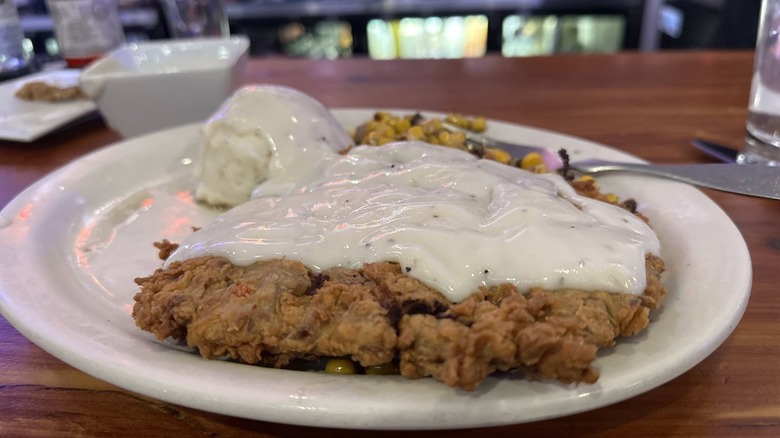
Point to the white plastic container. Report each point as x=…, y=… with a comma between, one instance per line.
x=144, y=87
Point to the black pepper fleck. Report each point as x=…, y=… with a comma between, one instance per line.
x=565, y=171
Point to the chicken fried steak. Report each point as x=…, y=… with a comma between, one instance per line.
x=276, y=311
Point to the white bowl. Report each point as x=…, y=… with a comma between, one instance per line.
x=147, y=86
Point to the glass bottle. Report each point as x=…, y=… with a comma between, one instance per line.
x=85, y=29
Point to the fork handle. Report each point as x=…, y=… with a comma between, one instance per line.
x=746, y=179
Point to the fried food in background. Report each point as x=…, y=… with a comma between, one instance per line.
x=39, y=90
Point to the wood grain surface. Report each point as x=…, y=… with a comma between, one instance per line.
x=648, y=104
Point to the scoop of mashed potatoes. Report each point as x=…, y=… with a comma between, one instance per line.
x=264, y=132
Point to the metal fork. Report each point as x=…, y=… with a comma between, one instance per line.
x=476, y=143
x=751, y=180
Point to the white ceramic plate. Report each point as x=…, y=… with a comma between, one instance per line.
x=74, y=241
x=26, y=121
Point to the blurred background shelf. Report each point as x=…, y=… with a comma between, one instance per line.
x=385, y=29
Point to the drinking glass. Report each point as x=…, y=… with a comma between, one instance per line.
x=762, y=138
x=195, y=18
x=12, y=59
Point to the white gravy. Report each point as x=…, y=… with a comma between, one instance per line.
x=450, y=220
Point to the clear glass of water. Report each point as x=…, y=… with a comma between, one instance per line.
x=12, y=57
x=762, y=138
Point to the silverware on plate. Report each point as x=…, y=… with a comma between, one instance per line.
x=760, y=181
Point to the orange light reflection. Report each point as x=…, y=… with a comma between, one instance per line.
x=25, y=213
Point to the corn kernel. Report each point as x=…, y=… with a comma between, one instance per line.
x=585, y=178
x=457, y=139
x=401, y=125
x=478, y=124
x=415, y=133
x=372, y=138
x=340, y=366
x=531, y=160
x=498, y=155
x=385, y=130
x=432, y=126
x=611, y=198
x=540, y=168
x=457, y=120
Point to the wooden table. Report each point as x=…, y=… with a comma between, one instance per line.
x=650, y=105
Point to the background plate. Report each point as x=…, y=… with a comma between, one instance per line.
x=74, y=241
x=25, y=121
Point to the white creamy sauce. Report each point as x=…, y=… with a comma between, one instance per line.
x=449, y=219
x=264, y=133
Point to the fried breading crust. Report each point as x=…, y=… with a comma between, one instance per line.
x=275, y=311
x=40, y=90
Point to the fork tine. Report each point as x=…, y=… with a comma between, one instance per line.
x=480, y=142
